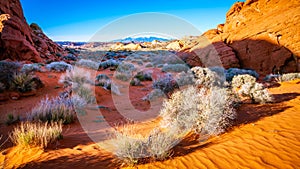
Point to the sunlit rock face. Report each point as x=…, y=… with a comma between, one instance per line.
x=264, y=34
x=19, y=41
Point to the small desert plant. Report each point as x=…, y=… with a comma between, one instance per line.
x=12, y=118
x=109, y=63
x=149, y=65
x=288, y=77
x=88, y=64
x=27, y=68
x=135, y=82
x=23, y=82
x=129, y=146
x=256, y=92
x=144, y=75
x=167, y=84
x=8, y=70
x=104, y=81
x=36, y=134
x=160, y=143
x=76, y=77
x=185, y=78
x=231, y=72
x=85, y=92
x=207, y=77
x=59, y=66
x=175, y=68
x=239, y=80
x=56, y=109
x=153, y=95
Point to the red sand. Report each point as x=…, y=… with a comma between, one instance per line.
x=265, y=136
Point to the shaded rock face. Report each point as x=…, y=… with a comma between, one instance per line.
x=18, y=41
x=264, y=34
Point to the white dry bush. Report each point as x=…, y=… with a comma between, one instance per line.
x=129, y=146
x=208, y=78
x=88, y=64
x=288, y=77
x=256, y=92
x=76, y=76
x=36, y=134
x=204, y=110
x=59, y=66
x=239, y=80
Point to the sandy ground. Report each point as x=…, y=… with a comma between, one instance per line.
x=264, y=136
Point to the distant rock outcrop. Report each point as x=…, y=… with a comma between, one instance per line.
x=19, y=41
x=264, y=34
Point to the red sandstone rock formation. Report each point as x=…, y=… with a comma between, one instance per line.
x=264, y=34
x=18, y=41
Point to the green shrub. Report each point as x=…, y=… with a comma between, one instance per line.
x=23, y=82
x=11, y=119
x=36, y=134
x=8, y=70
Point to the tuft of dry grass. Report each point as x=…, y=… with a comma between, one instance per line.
x=29, y=134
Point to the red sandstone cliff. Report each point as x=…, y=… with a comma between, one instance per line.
x=18, y=41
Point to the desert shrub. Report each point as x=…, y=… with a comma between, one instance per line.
x=288, y=77
x=76, y=76
x=8, y=70
x=115, y=89
x=208, y=78
x=85, y=92
x=175, y=68
x=124, y=76
x=129, y=146
x=205, y=111
x=59, y=66
x=36, y=134
x=167, y=58
x=12, y=118
x=104, y=81
x=231, y=72
x=27, y=68
x=239, y=80
x=2, y=87
x=153, y=95
x=109, y=63
x=185, y=78
x=23, y=82
x=144, y=75
x=256, y=92
x=135, y=82
x=126, y=67
x=56, y=109
x=160, y=143
x=35, y=27
x=88, y=64
x=149, y=65
x=166, y=83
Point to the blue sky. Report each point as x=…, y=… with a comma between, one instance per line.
x=80, y=20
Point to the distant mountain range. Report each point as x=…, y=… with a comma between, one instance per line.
x=69, y=43
x=141, y=39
